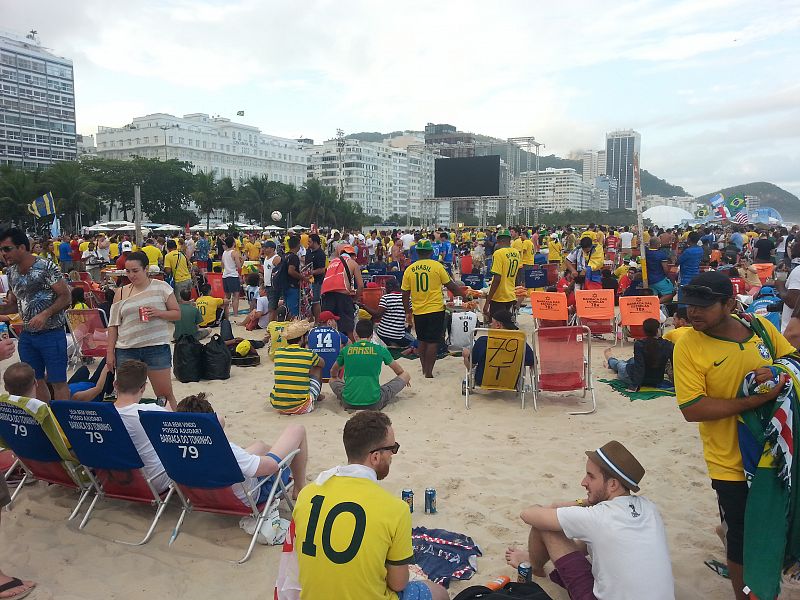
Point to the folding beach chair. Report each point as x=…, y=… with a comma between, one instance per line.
x=549, y=309
x=89, y=329
x=376, y=269
x=88, y=292
x=215, y=281
x=101, y=442
x=473, y=281
x=595, y=310
x=634, y=311
x=29, y=429
x=504, y=368
x=552, y=273
x=563, y=362
x=198, y=458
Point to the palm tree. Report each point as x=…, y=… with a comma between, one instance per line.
x=318, y=203
x=205, y=194
x=255, y=193
x=226, y=197
x=73, y=190
x=18, y=188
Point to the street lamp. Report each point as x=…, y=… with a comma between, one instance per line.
x=164, y=128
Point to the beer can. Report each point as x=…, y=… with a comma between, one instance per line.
x=524, y=574
x=144, y=315
x=408, y=497
x=3, y=330
x=430, y=501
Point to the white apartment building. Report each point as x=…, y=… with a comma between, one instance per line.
x=211, y=144
x=37, y=104
x=559, y=190
x=382, y=179
x=684, y=202
x=594, y=165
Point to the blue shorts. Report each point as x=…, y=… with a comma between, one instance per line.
x=662, y=288
x=415, y=590
x=46, y=352
x=155, y=357
x=263, y=492
x=291, y=297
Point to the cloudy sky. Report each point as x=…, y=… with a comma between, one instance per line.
x=713, y=86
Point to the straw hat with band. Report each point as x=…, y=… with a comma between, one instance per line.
x=297, y=329
x=619, y=463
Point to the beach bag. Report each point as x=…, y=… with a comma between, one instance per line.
x=225, y=330
x=187, y=361
x=217, y=359
x=511, y=590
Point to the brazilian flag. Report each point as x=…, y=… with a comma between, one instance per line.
x=701, y=212
x=43, y=206
x=735, y=203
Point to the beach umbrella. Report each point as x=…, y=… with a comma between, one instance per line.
x=667, y=216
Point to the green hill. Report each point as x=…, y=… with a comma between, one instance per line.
x=770, y=195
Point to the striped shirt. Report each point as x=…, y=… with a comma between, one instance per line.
x=132, y=332
x=292, y=366
x=392, y=325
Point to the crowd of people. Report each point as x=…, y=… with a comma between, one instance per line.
x=307, y=291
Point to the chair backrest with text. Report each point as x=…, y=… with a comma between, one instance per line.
x=371, y=297
x=549, y=308
x=505, y=358
x=595, y=309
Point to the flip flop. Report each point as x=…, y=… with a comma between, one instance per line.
x=719, y=568
x=15, y=582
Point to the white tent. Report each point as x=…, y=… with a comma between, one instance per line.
x=198, y=227
x=273, y=228
x=100, y=227
x=169, y=228
x=667, y=216
x=297, y=228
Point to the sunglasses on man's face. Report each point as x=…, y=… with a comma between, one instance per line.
x=7, y=248
x=703, y=292
x=394, y=449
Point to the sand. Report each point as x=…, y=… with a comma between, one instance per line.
x=486, y=463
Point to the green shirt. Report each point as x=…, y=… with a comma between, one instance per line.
x=187, y=324
x=362, y=362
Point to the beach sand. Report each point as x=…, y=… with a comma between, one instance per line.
x=486, y=463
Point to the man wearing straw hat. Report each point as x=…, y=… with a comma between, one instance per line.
x=623, y=533
x=298, y=373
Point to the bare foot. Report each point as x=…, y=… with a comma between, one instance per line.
x=22, y=589
x=514, y=556
x=607, y=355
x=321, y=397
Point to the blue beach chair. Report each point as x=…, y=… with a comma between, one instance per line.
x=115, y=469
x=198, y=458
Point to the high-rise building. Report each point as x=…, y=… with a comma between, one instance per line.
x=211, y=144
x=452, y=143
x=622, y=153
x=594, y=165
x=559, y=190
x=37, y=103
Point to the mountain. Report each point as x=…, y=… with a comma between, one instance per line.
x=652, y=185
x=770, y=195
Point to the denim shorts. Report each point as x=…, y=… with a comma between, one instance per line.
x=155, y=357
x=316, y=290
x=45, y=351
x=291, y=297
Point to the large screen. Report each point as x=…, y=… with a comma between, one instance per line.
x=473, y=176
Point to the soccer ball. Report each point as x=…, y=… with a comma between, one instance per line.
x=276, y=215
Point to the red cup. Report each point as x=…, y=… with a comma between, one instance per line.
x=144, y=314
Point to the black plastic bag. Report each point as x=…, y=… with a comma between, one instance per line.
x=188, y=359
x=217, y=359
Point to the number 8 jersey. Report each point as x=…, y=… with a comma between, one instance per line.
x=348, y=530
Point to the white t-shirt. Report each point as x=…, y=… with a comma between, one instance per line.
x=626, y=239
x=628, y=545
x=152, y=464
x=248, y=463
x=408, y=241
x=792, y=283
x=262, y=306
x=372, y=244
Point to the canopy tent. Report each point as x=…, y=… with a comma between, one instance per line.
x=297, y=228
x=667, y=216
x=169, y=228
x=273, y=228
x=198, y=227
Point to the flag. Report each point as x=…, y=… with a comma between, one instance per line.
x=701, y=213
x=735, y=203
x=717, y=202
x=742, y=217
x=43, y=206
x=240, y=113
x=55, y=228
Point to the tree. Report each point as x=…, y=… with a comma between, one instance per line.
x=166, y=187
x=18, y=188
x=204, y=194
x=227, y=198
x=114, y=181
x=318, y=204
x=74, y=191
x=255, y=193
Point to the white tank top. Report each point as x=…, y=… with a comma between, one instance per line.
x=229, y=268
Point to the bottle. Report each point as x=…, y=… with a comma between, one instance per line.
x=498, y=583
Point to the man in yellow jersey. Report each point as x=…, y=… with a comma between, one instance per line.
x=710, y=362
x=554, y=250
x=252, y=248
x=177, y=265
x=506, y=263
x=517, y=244
x=353, y=538
x=154, y=255
x=587, y=262
x=528, y=249
x=212, y=309
x=422, y=296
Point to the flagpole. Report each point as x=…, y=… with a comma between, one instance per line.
x=137, y=214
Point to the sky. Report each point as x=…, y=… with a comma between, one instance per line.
x=712, y=86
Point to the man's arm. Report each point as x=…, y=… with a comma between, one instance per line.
x=712, y=409
x=10, y=305
x=407, y=301
x=541, y=517
x=293, y=272
x=335, y=368
x=397, y=577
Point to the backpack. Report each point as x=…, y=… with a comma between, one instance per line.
x=217, y=359
x=510, y=591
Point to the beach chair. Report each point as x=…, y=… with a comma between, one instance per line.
x=382, y=279
x=634, y=311
x=504, y=369
x=376, y=269
x=215, y=281
x=29, y=429
x=101, y=442
x=563, y=362
x=473, y=281
x=595, y=310
x=549, y=309
x=465, y=266
x=88, y=292
x=552, y=273
x=198, y=458
x=535, y=278
x=89, y=329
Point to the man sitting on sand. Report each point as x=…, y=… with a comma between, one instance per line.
x=624, y=535
x=362, y=361
x=298, y=373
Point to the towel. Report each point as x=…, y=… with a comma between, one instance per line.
x=643, y=393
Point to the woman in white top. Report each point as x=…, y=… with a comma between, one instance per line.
x=231, y=267
x=137, y=328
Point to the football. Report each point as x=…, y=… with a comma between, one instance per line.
x=276, y=215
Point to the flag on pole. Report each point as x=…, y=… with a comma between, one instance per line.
x=717, y=202
x=43, y=206
x=736, y=203
x=55, y=228
x=742, y=217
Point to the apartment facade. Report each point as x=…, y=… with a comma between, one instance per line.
x=622, y=162
x=559, y=190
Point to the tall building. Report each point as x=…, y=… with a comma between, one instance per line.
x=453, y=143
x=377, y=176
x=559, y=190
x=594, y=165
x=211, y=144
x=37, y=103
x=622, y=152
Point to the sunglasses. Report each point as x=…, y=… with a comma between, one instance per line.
x=7, y=248
x=703, y=292
x=394, y=449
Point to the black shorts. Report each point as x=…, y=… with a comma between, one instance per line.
x=273, y=296
x=495, y=306
x=231, y=285
x=342, y=306
x=732, y=500
x=430, y=327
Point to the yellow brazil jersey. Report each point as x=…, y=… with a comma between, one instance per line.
x=252, y=250
x=83, y=246
x=113, y=250
x=276, y=340
x=554, y=253
x=424, y=279
x=465, y=236
x=517, y=245
x=674, y=335
x=453, y=237
x=292, y=377
x=179, y=264
x=715, y=367
x=527, y=253
x=347, y=530
x=153, y=254
x=505, y=264
x=304, y=240
x=481, y=236
x=208, y=305
x=622, y=270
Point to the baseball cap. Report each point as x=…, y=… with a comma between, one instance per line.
x=327, y=315
x=347, y=248
x=424, y=245
x=269, y=244
x=504, y=233
x=126, y=246
x=707, y=289
x=616, y=460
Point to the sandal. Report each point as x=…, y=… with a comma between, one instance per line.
x=719, y=568
x=14, y=583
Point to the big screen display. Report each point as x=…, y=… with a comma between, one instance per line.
x=473, y=176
